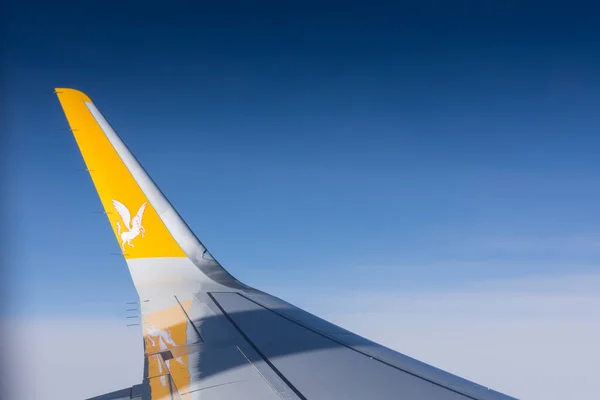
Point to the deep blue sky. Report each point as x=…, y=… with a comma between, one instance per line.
x=397, y=146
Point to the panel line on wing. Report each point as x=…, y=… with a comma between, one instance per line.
x=257, y=350
x=341, y=343
x=259, y=373
x=189, y=319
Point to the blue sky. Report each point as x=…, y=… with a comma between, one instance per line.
x=440, y=159
x=403, y=146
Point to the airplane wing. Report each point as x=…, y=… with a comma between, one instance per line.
x=208, y=336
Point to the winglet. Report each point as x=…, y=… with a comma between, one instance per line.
x=115, y=183
x=151, y=231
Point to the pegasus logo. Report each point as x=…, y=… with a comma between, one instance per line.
x=165, y=342
x=133, y=227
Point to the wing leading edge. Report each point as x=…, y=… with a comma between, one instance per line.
x=208, y=336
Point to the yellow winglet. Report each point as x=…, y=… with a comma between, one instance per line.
x=137, y=226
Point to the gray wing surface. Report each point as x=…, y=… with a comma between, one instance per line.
x=319, y=360
x=255, y=346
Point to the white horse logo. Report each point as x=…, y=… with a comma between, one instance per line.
x=134, y=227
x=165, y=342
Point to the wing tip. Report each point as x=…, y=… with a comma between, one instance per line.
x=72, y=93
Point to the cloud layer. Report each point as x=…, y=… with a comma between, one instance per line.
x=533, y=338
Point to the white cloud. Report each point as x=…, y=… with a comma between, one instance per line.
x=533, y=338
x=70, y=358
